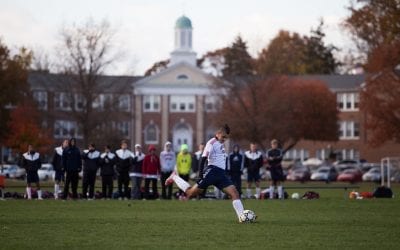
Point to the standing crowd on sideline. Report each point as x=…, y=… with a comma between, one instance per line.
x=137, y=173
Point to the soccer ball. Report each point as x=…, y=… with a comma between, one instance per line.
x=295, y=196
x=248, y=216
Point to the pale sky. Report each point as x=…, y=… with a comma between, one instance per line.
x=145, y=28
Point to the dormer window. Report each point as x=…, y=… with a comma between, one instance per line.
x=182, y=77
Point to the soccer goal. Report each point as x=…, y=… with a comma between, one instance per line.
x=388, y=165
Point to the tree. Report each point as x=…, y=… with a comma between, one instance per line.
x=85, y=54
x=157, y=67
x=213, y=62
x=25, y=129
x=289, y=109
x=13, y=83
x=290, y=53
x=375, y=26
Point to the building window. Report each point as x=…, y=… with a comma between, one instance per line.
x=212, y=103
x=80, y=102
x=151, y=134
x=62, y=101
x=124, y=103
x=123, y=128
x=321, y=154
x=182, y=103
x=67, y=129
x=182, y=77
x=151, y=103
x=297, y=154
x=349, y=130
x=348, y=101
x=41, y=99
x=348, y=154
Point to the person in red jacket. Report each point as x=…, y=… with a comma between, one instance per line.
x=151, y=169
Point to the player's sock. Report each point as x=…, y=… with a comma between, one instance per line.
x=280, y=192
x=56, y=189
x=181, y=183
x=271, y=192
x=248, y=193
x=258, y=192
x=39, y=192
x=29, y=193
x=238, y=206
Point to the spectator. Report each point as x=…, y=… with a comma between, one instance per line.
x=274, y=158
x=167, y=162
x=31, y=162
x=58, y=167
x=72, y=163
x=196, y=159
x=253, y=161
x=136, y=173
x=107, y=164
x=151, y=169
x=123, y=163
x=183, y=164
x=235, y=167
x=91, y=160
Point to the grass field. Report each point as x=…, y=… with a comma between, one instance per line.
x=332, y=222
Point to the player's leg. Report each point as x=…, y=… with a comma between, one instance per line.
x=28, y=188
x=193, y=191
x=280, y=189
x=39, y=191
x=236, y=202
x=271, y=188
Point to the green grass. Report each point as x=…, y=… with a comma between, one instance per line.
x=332, y=222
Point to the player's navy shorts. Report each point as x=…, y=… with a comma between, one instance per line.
x=59, y=175
x=32, y=177
x=214, y=176
x=277, y=173
x=253, y=176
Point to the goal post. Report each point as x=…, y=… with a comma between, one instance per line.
x=388, y=163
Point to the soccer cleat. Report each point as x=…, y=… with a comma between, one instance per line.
x=170, y=179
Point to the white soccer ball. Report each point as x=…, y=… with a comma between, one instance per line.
x=295, y=196
x=248, y=216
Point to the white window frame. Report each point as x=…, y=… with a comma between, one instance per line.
x=124, y=103
x=348, y=130
x=64, y=101
x=154, y=102
x=157, y=131
x=68, y=126
x=41, y=99
x=124, y=128
x=345, y=98
x=182, y=103
x=211, y=103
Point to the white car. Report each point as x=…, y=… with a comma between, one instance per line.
x=46, y=172
x=13, y=171
x=324, y=173
x=374, y=174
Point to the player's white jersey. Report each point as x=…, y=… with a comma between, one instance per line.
x=215, y=152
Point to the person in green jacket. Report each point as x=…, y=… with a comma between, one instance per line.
x=183, y=165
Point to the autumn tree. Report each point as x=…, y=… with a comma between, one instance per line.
x=26, y=128
x=375, y=27
x=289, y=109
x=291, y=53
x=213, y=62
x=86, y=52
x=157, y=67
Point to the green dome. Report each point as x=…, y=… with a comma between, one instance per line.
x=183, y=23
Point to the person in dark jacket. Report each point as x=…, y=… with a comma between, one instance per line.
x=235, y=167
x=253, y=161
x=107, y=163
x=31, y=162
x=274, y=158
x=91, y=163
x=58, y=167
x=72, y=163
x=136, y=173
x=123, y=164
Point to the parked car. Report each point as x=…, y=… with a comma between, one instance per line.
x=345, y=164
x=365, y=167
x=351, y=175
x=325, y=173
x=299, y=174
x=46, y=172
x=395, y=176
x=13, y=171
x=374, y=174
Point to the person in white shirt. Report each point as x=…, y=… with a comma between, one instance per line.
x=214, y=172
x=168, y=162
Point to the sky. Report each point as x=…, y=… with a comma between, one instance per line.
x=145, y=28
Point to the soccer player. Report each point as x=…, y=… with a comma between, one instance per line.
x=58, y=167
x=253, y=161
x=72, y=163
x=31, y=162
x=214, y=173
x=91, y=160
x=136, y=173
x=274, y=157
x=123, y=162
x=107, y=164
x=167, y=162
x=235, y=167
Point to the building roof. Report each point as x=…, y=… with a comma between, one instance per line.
x=183, y=23
x=56, y=82
x=338, y=82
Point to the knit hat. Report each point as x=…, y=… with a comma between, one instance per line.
x=184, y=147
x=151, y=147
